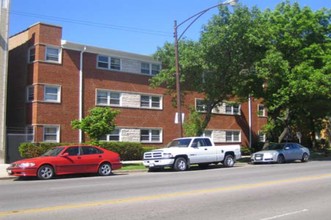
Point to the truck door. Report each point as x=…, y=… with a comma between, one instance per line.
x=207, y=152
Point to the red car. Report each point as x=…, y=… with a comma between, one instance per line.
x=68, y=160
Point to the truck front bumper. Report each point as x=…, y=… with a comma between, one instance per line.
x=158, y=162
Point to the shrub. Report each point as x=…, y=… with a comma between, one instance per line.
x=126, y=150
x=29, y=150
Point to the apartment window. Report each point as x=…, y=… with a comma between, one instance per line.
x=106, y=62
x=29, y=132
x=32, y=54
x=114, y=135
x=29, y=93
x=150, y=101
x=51, y=134
x=53, y=54
x=103, y=62
x=207, y=133
x=145, y=68
x=115, y=63
x=261, y=136
x=150, y=135
x=232, y=109
x=261, y=110
x=200, y=105
x=232, y=136
x=108, y=98
x=52, y=93
x=155, y=69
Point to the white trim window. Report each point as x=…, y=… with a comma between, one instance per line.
x=52, y=93
x=207, y=133
x=29, y=132
x=53, y=54
x=145, y=68
x=30, y=93
x=115, y=135
x=150, y=101
x=108, y=98
x=232, y=136
x=110, y=63
x=31, y=54
x=51, y=133
x=262, y=136
x=261, y=112
x=150, y=135
x=200, y=105
x=155, y=69
x=232, y=109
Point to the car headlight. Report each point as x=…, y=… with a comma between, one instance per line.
x=25, y=165
x=167, y=155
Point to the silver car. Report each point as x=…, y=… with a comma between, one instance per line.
x=280, y=153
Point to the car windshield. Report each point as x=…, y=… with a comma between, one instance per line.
x=273, y=147
x=53, y=152
x=180, y=143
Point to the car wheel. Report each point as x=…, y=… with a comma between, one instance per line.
x=105, y=169
x=45, y=172
x=305, y=157
x=229, y=161
x=180, y=164
x=280, y=159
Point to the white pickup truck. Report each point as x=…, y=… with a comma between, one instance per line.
x=182, y=152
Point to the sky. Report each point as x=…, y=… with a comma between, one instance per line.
x=135, y=26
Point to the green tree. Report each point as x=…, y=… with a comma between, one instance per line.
x=295, y=71
x=99, y=122
x=217, y=64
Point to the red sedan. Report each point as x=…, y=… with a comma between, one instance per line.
x=68, y=160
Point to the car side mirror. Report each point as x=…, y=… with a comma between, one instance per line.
x=65, y=155
x=194, y=145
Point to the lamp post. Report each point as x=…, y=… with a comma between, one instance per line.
x=193, y=18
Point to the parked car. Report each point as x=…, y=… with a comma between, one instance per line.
x=280, y=153
x=63, y=160
x=183, y=152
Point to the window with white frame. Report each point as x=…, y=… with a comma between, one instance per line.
x=51, y=134
x=106, y=62
x=145, y=68
x=261, y=110
x=200, y=105
x=32, y=54
x=113, y=136
x=150, y=135
x=108, y=98
x=29, y=132
x=155, y=69
x=261, y=136
x=232, y=109
x=207, y=133
x=30, y=93
x=232, y=136
x=150, y=101
x=53, y=54
x=52, y=93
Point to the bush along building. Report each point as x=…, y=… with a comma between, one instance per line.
x=52, y=82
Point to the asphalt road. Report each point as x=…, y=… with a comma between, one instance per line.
x=263, y=192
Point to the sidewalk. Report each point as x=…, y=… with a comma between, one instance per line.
x=3, y=172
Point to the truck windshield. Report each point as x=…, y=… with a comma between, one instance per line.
x=180, y=143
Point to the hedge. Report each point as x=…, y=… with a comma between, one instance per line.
x=126, y=150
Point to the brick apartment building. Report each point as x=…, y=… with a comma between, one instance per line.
x=52, y=82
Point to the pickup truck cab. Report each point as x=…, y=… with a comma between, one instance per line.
x=182, y=152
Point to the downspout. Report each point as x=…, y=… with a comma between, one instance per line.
x=250, y=120
x=80, y=138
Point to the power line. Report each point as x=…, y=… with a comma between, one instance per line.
x=92, y=24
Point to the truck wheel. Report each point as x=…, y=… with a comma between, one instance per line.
x=229, y=161
x=180, y=164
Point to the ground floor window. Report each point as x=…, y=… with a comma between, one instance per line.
x=51, y=133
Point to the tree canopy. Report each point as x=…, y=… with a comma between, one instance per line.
x=282, y=56
x=99, y=122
